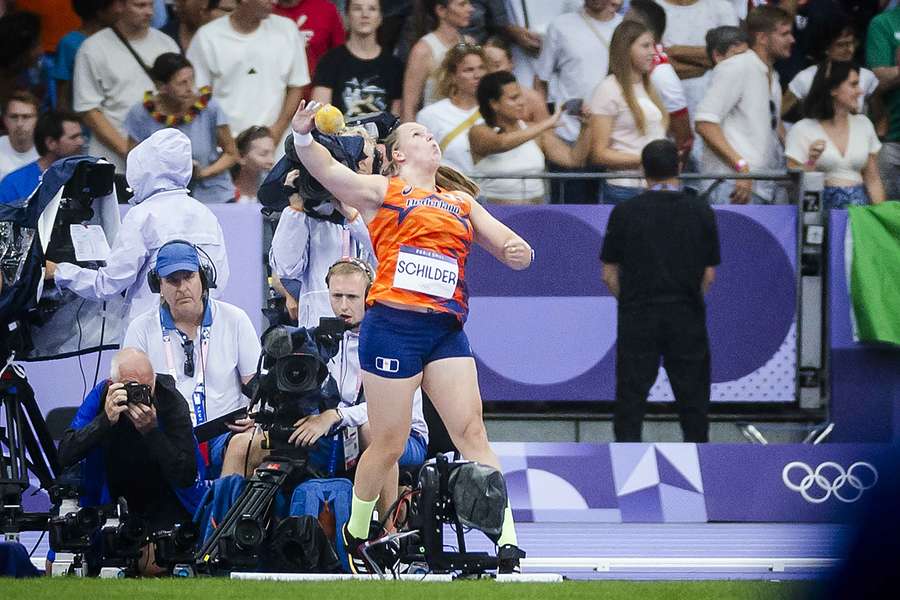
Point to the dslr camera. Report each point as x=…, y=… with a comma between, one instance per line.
x=138, y=393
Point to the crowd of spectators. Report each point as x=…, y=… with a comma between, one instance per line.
x=724, y=79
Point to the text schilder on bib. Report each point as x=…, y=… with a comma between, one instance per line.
x=427, y=272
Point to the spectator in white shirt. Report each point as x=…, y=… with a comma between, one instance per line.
x=20, y=111
x=685, y=40
x=506, y=144
x=839, y=44
x=420, y=81
x=533, y=17
x=111, y=75
x=724, y=42
x=574, y=59
x=626, y=112
x=739, y=117
x=836, y=140
x=450, y=119
x=663, y=76
x=255, y=63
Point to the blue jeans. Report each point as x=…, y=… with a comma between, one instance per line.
x=415, y=452
x=842, y=197
x=616, y=194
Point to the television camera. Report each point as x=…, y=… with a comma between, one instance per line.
x=38, y=320
x=292, y=381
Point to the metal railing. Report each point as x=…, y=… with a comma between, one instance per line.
x=793, y=178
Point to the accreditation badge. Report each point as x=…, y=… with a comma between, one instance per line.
x=350, y=438
x=427, y=272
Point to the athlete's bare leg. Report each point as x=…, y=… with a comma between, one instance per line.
x=389, y=404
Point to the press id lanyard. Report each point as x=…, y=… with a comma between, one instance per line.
x=351, y=434
x=198, y=397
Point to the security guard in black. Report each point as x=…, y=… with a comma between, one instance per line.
x=658, y=257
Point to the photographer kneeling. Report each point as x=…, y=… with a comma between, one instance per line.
x=133, y=438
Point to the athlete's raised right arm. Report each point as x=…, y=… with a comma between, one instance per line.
x=363, y=192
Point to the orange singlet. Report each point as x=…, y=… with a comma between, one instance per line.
x=422, y=241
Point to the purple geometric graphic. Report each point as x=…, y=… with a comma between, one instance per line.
x=658, y=483
x=643, y=506
x=548, y=333
x=671, y=483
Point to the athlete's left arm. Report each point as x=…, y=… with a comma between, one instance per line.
x=498, y=239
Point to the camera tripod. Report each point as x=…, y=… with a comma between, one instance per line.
x=30, y=448
x=238, y=540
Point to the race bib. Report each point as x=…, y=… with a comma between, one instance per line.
x=426, y=271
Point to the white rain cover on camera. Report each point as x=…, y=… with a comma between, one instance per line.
x=76, y=325
x=479, y=495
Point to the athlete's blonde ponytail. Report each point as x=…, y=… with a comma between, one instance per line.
x=449, y=178
x=446, y=178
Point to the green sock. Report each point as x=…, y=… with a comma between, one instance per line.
x=508, y=531
x=361, y=517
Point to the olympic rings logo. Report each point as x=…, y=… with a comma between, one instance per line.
x=830, y=478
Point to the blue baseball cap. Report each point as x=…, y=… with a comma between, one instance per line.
x=177, y=256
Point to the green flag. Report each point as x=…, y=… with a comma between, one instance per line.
x=874, y=232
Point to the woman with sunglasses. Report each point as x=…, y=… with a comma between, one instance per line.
x=422, y=218
x=420, y=81
x=837, y=43
x=834, y=139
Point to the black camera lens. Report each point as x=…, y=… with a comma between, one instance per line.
x=137, y=393
x=297, y=374
x=248, y=533
x=185, y=536
x=133, y=531
x=87, y=519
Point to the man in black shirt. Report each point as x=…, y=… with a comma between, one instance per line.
x=144, y=453
x=658, y=259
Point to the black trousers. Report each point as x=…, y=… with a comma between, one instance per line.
x=675, y=333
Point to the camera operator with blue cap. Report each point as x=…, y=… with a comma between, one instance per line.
x=209, y=347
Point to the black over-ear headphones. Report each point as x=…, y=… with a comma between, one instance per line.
x=360, y=265
x=207, y=268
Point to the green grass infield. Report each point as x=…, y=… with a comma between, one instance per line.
x=224, y=589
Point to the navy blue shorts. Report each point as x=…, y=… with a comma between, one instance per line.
x=397, y=344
